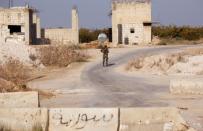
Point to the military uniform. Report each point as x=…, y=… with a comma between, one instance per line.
x=105, y=52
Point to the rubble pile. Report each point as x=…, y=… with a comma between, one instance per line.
x=169, y=64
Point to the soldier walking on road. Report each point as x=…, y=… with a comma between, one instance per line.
x=105, y=51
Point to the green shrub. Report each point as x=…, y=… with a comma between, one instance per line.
x=179, y=33
x=87, y=35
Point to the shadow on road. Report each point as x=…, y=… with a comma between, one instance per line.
x=112, y=64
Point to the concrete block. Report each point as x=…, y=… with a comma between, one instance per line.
x=19, y=100
x=24, y=119
x=191, y=86
x=146, y=119
x=81, y=119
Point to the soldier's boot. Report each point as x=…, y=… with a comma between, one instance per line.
x=107, y=62
x=103, y=62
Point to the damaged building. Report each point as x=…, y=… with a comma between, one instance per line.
x=64, y=35
x=131, y=22
x=19, y=24
x=22, y=24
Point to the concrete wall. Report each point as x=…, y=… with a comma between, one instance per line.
x=64, y=35
x=60, y=36
x=146, y=119
x=94, y=119
x=75, y=25
x=19, y=99
x=81, y=119
x=38, y=28
x=24, y=119
x=132, y=15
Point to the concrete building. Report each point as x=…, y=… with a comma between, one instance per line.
x=19, y=23
x=131, y=22
x=64, y=35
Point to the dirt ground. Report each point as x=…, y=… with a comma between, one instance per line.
x=191, y=105
x=90, y=85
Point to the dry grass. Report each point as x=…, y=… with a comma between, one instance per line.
x=95, y=45
x=13, y=76
x=135, y=64
x=91, y=45
x=193, y=51
x=36, y=127
x=163, y=63
x=45, y=94
x=4, y=128
x=61, y=55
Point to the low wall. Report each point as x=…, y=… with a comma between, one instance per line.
x=94, y=119
x=83, y=119
x=19, y=100
x=20, y=119
x=187, y=86
x=61, y=36
x=144, y=119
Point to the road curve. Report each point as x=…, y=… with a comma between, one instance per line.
x=92, y=85
x=96, y=86
x=116, y=90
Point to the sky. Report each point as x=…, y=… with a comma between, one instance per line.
x=94, y=13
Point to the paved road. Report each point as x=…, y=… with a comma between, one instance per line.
x=96, y=86
x=92, y=85
x=115, y=89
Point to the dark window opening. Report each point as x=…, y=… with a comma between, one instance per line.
x=132, y=30
x=110, y=34
x=14, y=29
x=147, y=24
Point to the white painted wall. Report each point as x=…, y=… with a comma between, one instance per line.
x=132, y=15
x=65, y=35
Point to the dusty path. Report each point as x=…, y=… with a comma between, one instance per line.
x=91, y=85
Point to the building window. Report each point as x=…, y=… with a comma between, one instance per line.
x=147, y=24
x=14, y=29
x=132, y=30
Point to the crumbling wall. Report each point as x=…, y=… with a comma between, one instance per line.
x=57, y=35
x=24, y=19
x=14, y=17
x=64, y=35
